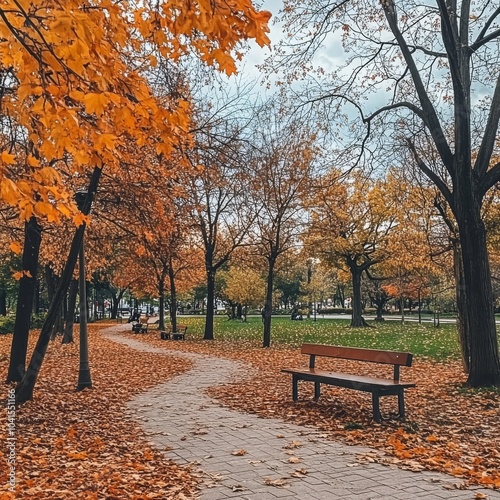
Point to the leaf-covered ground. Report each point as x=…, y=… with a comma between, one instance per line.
x=82, y=445
x=448, y=428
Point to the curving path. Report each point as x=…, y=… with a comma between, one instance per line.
x=243, y=456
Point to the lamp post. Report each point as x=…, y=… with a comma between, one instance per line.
x=84, y=379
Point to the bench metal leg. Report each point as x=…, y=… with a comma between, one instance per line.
x=317, y=390
x=295, y=388
x=401, y=404
x=376, y=406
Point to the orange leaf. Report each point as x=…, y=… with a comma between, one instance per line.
x=16, y=247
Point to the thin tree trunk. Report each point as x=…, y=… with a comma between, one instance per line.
x=3, y=302
x=209, y=318
x=173, y=297
x=357, y=319
x=19, y=347
x=380, y=300
x=36, y=298
x=115, y=302
x=70, y=317
x=462, y=316
x=24, y=390
x=268, y=307
x=52, y=280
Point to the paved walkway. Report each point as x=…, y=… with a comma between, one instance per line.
x=242, y=456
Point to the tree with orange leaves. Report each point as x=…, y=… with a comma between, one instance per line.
x=74, y=84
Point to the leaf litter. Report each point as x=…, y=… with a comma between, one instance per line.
x=448, y=428
x=84, y=445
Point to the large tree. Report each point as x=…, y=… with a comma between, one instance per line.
x=352, y=219
x=432, y=70
x=74, y=81
x=282, y=168
x=221, y=212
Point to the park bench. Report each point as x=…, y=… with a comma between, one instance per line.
x=180, y=334
x=377, y=386
x=136, y=327
x=144, y=325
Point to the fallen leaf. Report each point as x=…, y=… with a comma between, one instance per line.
x=239, y=453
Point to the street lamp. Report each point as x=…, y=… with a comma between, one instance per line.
x=84, y=379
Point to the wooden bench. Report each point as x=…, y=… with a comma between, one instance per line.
x=377, y=386
x=139, y=327
x=144, y=325
x=180, y=334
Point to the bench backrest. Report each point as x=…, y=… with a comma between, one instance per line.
x=179, y=327
x=359, y=354
x=394, y=358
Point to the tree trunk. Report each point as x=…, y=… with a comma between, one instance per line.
x=462, y=315
x=268, y=307
x=24, y=390
x=19, y=347
x=357, y=319
x=3, y=302
x=52, y=280
x=173, y=297
x=115, y=302
x=484, y=369
x=36, y=298
x=161, y=304
x=380, y=300
x=70, y=317
x=209, y=318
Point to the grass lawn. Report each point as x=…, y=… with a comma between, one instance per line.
x=421, y=340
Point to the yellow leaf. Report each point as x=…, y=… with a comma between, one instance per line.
x=8, y=158
x=9, y=191
x=77, y=95
x=95, y=103
x=16, y=247
x=33, y=162
x=106, y=141
x=80, y=219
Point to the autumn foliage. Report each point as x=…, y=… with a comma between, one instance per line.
x=75, y=86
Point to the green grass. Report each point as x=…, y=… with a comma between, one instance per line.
x=421, y=340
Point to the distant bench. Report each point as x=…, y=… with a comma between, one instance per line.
x=144, y=325
x=180, y=334
x=377, y=386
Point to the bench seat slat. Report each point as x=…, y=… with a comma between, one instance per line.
x=349, y=381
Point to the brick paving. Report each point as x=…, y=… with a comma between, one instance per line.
x=277, y=460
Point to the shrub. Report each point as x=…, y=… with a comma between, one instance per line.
x=6, y=324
